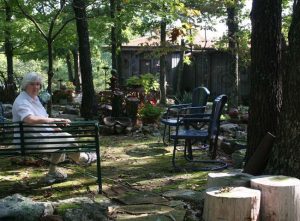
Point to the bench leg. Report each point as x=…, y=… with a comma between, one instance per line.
x=99, y=181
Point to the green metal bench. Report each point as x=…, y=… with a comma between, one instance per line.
x=20, y=139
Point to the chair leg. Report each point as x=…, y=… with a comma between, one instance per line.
x=188, y=150
x=164, y=135
x=214, y=147
x=174, y=154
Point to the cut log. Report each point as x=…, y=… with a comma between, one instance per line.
x=258, y=161
x=280, y=197
x=228, y=179
x=231, y=204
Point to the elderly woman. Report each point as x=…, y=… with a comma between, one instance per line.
x=28, y=108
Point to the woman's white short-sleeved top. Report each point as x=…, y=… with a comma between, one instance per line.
x=25, y=105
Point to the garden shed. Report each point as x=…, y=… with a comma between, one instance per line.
x=210, y=67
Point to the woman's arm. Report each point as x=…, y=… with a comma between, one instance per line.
x=31, y=119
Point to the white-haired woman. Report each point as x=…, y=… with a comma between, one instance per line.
x=28, y=108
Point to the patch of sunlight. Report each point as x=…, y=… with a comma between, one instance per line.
x=141, y=161
x=194, y=181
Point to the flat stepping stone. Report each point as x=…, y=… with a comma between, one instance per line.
x=149, y=212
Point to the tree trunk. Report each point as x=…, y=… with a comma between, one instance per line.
x=88, y=92
x=280, y=197
x=234, y=58
x=162, y=75
x=8, y=44
x=77, y=75
x=265, y=88
x=69, y=65
x=285, y=156
x=113, y=38
x=119, y=45
x=180, y=69
x=10, y=84
x=50, y=73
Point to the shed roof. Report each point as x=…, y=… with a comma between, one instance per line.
x=199, y=42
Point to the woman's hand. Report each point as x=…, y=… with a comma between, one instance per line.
x=61, y=121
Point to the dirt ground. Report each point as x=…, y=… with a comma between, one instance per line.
x=137, y=161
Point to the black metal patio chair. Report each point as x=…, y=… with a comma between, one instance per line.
x=186, y=129
x=170, y=118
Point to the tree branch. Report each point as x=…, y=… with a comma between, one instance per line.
x=62, y=27
x=32, y=20
x=54, y=19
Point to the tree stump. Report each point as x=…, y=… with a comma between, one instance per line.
x=228, y=179
x=280, y=197
x=231, y=204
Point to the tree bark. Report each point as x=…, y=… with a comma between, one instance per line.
x=233, y=50
x=265, y=88
x=8, y=43
x=113, y=38
x=119, y=44
x=88, y=92
x=162, y=75
x=180, y=68
x=50, y=72
x=285, y=155
x=69, y=66
x=10, y=84
x=77, y=74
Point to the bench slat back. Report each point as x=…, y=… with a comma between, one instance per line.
x=18, y=138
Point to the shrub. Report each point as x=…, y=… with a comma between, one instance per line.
x=147, y=81
x=149, y=113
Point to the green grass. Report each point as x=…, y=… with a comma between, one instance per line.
x=137, y=160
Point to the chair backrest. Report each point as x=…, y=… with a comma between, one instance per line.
x=217, y=108
x=200, y=96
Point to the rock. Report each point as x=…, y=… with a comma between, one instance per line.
x=147, y=212
x=150, y=129
x=238, y=158
x=7, y=108
x=76, y=200
x=229, y=127
x=228, y=179
x=241, y=135
x=19, y=208
x=52, y=218
x=233, y=112
x=185, y=195
x=86, y=212
x=71, y=110
x=227, y=147
x=72, y=117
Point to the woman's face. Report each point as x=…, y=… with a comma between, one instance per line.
x=33, y=88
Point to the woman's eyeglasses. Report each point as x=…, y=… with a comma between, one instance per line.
x=35, y=83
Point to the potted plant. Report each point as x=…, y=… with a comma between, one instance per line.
x=149, y=113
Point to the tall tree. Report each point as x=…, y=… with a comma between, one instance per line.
x=88, y=92
x=69, y=65
x=265, y=89
x=113, y=37
x=232, y=25
x=77, y=74
x=50, y=12
x=285, y=156
x=162, y=74
x=8, y=45
x=8, y=42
